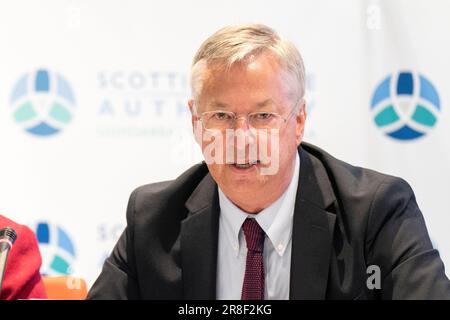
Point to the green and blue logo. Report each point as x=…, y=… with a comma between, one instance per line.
x=43, y=102
x=57, y=249
x=405, y=105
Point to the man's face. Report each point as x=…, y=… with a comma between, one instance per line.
x=259, y=86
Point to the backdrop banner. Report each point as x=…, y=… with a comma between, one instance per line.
x=93, y=103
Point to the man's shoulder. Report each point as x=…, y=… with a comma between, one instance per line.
x=364, y=198
x=172, y=192
x=344, y=174
x=359, y=188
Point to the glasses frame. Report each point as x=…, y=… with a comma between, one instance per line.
x=236, y=117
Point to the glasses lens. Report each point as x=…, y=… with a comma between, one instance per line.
x=218, y=120
x=263, y=120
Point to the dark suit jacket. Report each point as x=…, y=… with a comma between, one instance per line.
x=346, y=219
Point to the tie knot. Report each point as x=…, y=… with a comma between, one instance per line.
x=254, y=235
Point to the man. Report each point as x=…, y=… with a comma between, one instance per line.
x=295, y=224
x=22, y=279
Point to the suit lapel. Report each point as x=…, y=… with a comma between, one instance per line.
x=313, y=227
x=199, y=238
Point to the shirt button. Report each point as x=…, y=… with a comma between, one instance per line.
x=280, y=247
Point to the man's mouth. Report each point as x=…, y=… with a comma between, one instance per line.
x=245, y=165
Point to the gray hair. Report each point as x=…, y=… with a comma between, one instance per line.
x=237, y=43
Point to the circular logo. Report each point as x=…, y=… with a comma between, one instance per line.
x=42, y=102
x=405, y=105
x=57, y=250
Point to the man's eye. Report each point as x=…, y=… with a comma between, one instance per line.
x=221, y=116
x=263, y=116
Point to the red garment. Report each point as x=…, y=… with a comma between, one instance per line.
x=22, y=279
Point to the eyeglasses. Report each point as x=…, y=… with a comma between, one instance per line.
x=222, y=120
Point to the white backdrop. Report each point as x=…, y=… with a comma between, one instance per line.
x=127, y=64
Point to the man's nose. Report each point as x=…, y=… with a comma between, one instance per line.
x=241, y=123
x=242, y=126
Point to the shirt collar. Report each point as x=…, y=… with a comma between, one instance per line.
x=275, y=220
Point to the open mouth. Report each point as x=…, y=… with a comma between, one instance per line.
x=245, y=165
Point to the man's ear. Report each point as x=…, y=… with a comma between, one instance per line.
x=301, y=120
x=191, y=105
x=191, y=109
x=196, y=126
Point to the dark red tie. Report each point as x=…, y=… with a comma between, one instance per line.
x=253, y=287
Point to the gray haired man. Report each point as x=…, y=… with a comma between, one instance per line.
x=228, y=228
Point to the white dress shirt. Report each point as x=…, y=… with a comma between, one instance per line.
x=276, y=221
